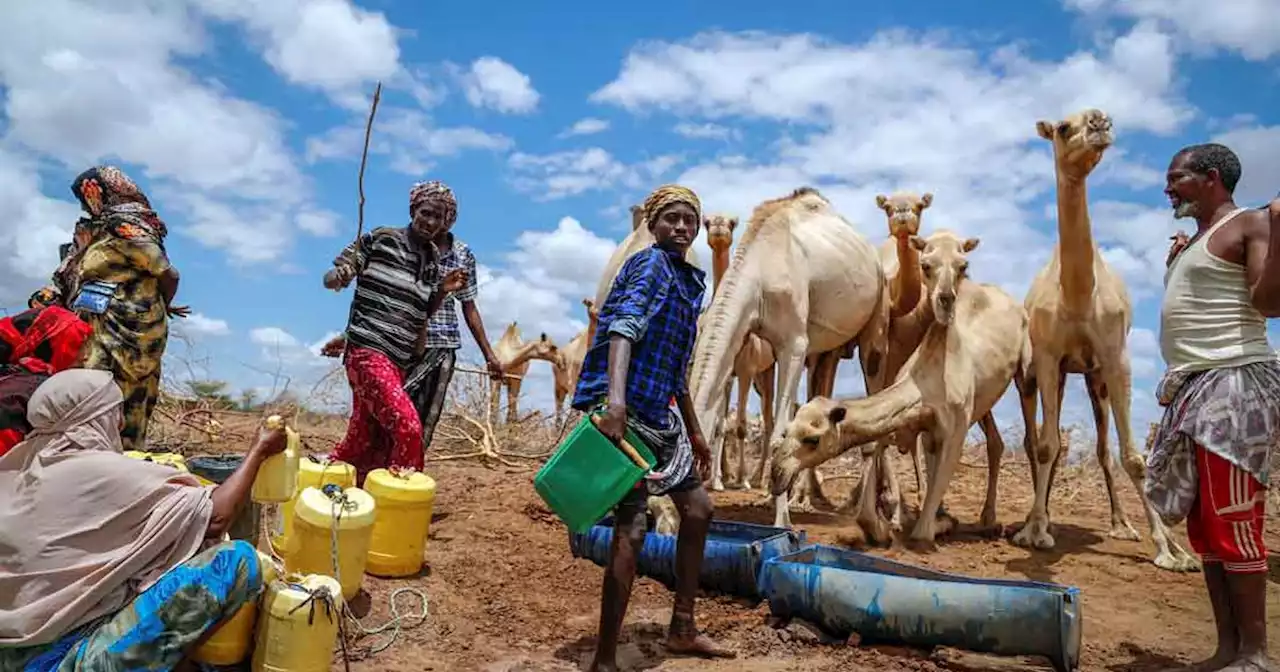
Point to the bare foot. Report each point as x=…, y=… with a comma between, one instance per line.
x=697, y=645
x=1218, y=661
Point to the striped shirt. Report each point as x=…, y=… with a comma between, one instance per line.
x=392, y=293
x=442, y=330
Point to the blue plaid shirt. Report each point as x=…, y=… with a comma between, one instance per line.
x=654, y=303
x=442, y=328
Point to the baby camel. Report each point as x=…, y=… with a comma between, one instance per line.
x=976, y=345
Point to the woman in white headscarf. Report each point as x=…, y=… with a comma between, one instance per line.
x=111, y=563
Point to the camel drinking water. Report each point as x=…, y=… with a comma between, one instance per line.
x=976, y=344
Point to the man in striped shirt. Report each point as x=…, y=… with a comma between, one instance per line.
x=400, y=285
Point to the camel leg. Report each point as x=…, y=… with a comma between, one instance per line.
x=790, y=363
x=1035, y=531
x=995, y=452
x=1120, y=526
x=495, y=398
x=764, y=387
x=717, y=447
x=915, y=463
x=863, y=504
x=808, y=493
x=892, y=495
x=949, y=436
x=1169, y=555
x=560, y=395
x=513, y=400
x=744, y=395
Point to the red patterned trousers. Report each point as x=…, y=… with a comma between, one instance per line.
x=384, y=430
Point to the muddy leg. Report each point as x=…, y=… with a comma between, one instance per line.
x=1120, y=526
x=628, y=537
x=695, y=520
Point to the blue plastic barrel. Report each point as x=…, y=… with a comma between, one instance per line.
x=218, y=468
x=731, y=561
x=844, y=591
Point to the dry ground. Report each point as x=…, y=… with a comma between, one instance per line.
x=506, y=594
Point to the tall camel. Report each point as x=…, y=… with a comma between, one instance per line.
x=753, y=367
x=807, y=282
x=1080, y=319
x=976, y=344
x=515, y=356
x=567, y=365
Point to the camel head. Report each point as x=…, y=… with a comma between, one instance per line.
x=813, y=437
x=904, y=209
x=544, y=349
x=592, y=311
x=944, y=261
x=1078, y=141
x=719, y=231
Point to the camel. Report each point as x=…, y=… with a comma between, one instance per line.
x=753, y=367
x=1080, y=319
x=515, y=356
x=976, y=344
x=909, y=316
x=808, y=283
x=567, y=365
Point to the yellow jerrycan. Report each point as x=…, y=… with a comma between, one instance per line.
x=277, y=479
x=315, y=517
x=229, y=643
x=404, y=502
x=298, y=625
x=312, y=473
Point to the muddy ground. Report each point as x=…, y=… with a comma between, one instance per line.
x=507, y=595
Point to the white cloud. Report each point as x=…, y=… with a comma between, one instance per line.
x=32, y=226
x=569, y=173
x=494, y=83
x=1259, y=150
x=331, y=45
x=586, y=126
x=705, y=131
x=196, y=325
x=407, y=136
x=1243, y=26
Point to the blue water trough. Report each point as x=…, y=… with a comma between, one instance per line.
x=731, y=562
x=844, y=592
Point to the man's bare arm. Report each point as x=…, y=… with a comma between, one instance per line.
x=1262, y=262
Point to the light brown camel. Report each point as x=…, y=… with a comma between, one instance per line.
x=752, y=368
x=909, y=316
x=976, y=344
x=1080, y=319
x=515, y=356
x=567, y=365
x=805, y=281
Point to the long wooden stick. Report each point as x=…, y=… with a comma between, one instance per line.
x=364, y=158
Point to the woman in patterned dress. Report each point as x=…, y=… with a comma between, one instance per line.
x=124, y=289
x=113, y=563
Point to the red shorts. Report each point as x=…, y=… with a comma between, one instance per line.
x=1225, y=524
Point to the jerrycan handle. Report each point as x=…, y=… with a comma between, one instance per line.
x=625, y=446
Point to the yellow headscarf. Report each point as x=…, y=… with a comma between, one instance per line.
x=666, y=195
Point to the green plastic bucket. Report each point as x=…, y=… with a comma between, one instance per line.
x=588, y=475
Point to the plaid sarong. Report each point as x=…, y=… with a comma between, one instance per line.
x=1233, y=412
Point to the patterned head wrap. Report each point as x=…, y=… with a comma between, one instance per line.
x=665, y=196
x=110, y=197
x=438, y=192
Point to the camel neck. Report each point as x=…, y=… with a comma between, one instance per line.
x=719, y=264
x=906, y=290
x=1075, y=242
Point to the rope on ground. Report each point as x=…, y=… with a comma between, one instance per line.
x=341, y=504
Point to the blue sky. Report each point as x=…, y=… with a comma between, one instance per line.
x=243, y=121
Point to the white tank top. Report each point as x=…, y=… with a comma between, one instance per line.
x=1206, y=319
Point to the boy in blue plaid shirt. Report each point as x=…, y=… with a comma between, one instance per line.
x=635, y=368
